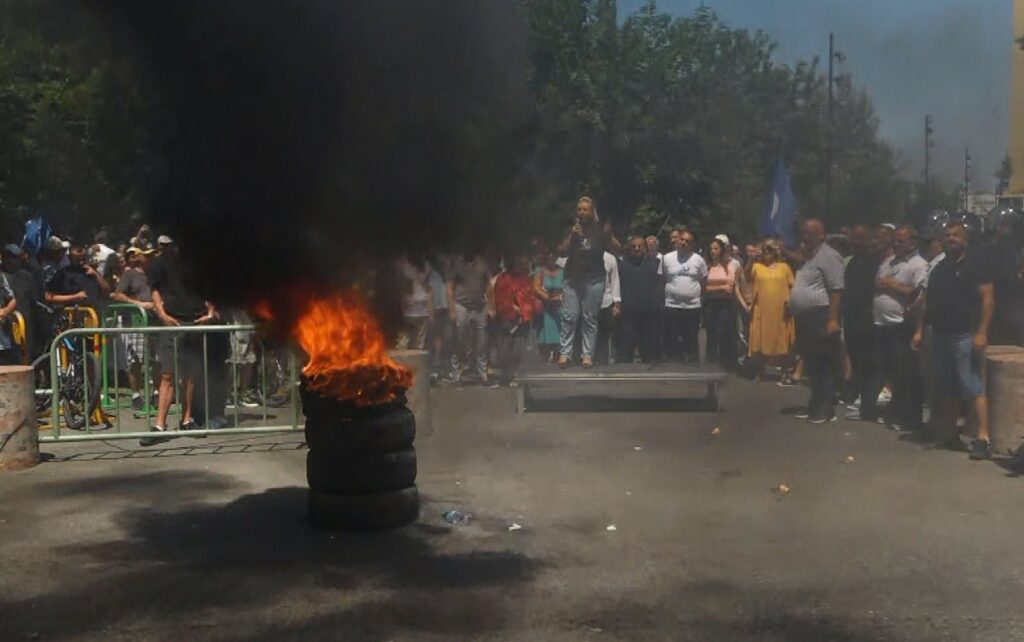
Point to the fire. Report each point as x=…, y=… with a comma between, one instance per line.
x=348, y=356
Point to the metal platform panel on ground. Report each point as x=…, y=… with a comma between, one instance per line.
x=634, y=380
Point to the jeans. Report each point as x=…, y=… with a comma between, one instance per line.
x=957, y=366
x=639, y=333
x=682, y=330
x=896, y=362
x=720, y=321
x=470, y=342
x=580, y=301
x=820, y=352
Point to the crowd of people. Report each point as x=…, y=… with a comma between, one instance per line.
x=45, y=279
x=883, y=320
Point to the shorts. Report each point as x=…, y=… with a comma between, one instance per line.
x=134, y=346
x=243, y=350
x=956, y=365
x=189, y=359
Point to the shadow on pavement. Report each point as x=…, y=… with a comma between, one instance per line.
x=210, y=562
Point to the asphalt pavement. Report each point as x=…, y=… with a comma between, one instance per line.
x=638, y=521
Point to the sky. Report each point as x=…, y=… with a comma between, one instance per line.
x=946, y=58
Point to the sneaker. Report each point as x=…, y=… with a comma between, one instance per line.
x=451, y=379
x=979, y=449
x=823, y=420
x=216, y=423
x=854, y=405
x=152, y=441
x=802, y=414
x=137, y=403
x=786, y=382
x=249, y=399
x=489, y=383
x=895, y=427
x=190, y=425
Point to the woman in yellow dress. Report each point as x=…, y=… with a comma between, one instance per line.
x=771, y=326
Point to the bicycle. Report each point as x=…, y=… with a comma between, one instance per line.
x=78, y=375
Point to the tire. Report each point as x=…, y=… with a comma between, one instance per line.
x=378, y=511
x=78, y=405
x=375, y=430
x=357, y=475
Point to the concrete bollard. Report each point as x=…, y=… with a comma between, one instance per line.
x=418, y=397
x=1005, y=389
x=19, y=434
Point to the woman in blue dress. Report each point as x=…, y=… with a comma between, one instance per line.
x=547, y=283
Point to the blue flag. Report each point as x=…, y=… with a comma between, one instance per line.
x=779, y=218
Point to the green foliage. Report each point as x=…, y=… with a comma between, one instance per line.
x=74, y=120
x=661, y=119
x=682, y=119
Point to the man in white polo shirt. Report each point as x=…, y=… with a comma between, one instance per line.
x=685, y=273
x=900, y=280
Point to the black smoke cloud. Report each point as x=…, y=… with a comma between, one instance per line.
x=310, y=140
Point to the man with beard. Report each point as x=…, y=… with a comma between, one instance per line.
x=958, y=305
x=641, y=292
x=78, y=283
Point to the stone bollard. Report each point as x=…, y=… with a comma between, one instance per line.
x=418, y=397
x=19, y=434
x=1005, y=389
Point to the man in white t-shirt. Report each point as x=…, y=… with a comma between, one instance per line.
x=685, y=273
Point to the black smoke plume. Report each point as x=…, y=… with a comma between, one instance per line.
x=310, y=140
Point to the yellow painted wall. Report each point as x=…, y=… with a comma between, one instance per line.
x=1017, y=103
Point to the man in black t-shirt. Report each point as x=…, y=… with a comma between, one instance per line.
x=78, y=283
x=175, y=305
x=958, y=305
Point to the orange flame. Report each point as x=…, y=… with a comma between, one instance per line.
x=348, y=356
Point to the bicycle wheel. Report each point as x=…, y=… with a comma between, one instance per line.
x=78, y=403
x=43, y=388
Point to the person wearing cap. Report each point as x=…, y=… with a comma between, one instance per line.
x=53, y=258
x=958, y=304
x=78, y=283
x=133, y=288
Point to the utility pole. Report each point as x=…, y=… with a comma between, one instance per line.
x=928, y=131
x=833, y=56
x=967, y=177
x=828, y=127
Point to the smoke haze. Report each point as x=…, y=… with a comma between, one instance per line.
x=312, y=140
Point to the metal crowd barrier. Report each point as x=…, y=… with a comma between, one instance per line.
x=110, y=352
x=287, y=419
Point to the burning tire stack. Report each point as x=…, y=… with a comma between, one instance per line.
x=361, y=465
